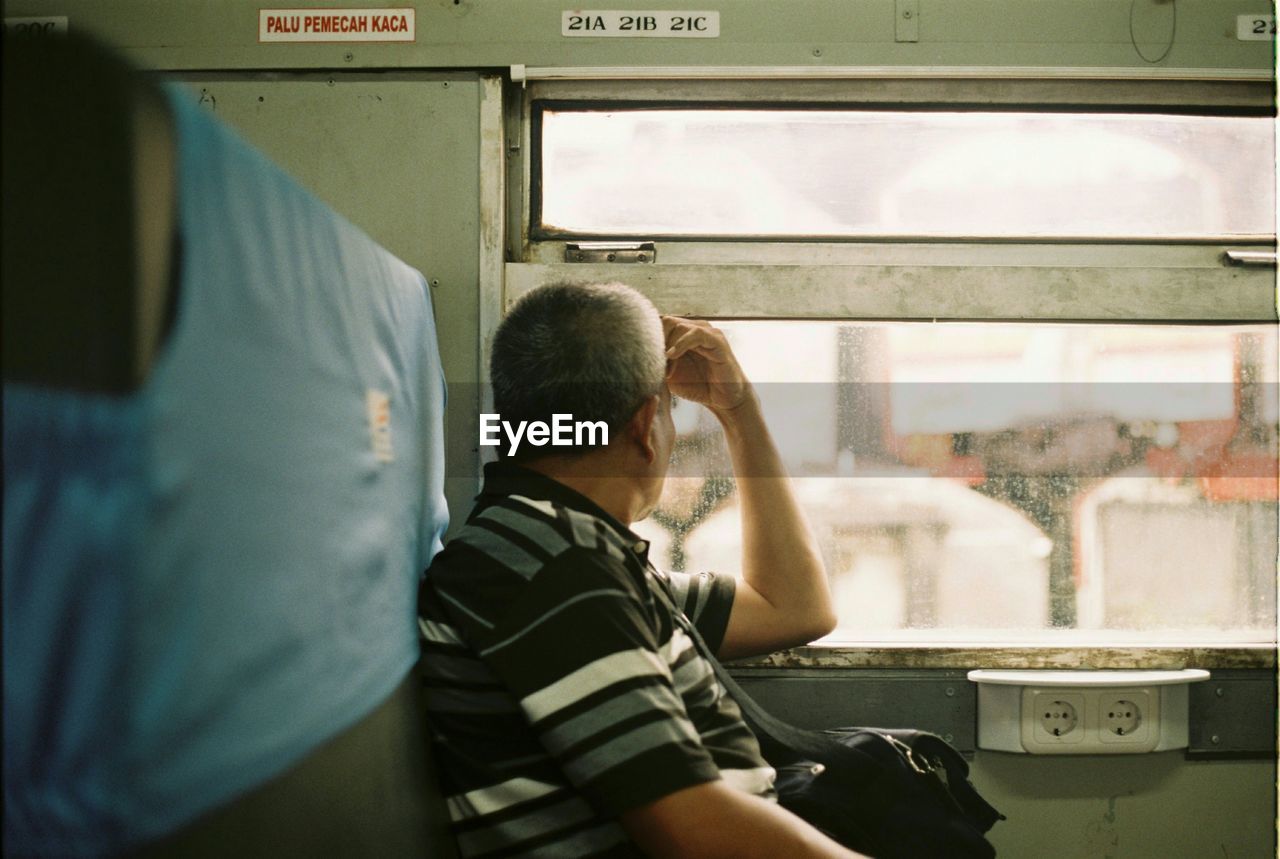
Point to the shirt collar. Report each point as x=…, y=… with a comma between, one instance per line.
x=503, y=479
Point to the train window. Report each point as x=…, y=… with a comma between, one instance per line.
x=929, y=173
x=988, y=482
x=1017, y=340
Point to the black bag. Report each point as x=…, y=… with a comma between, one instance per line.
x=901, y=794
x=891, y=794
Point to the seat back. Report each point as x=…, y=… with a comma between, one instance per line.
x=223, y=457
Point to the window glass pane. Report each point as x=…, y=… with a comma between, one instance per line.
x=924, y=173
x=1009, y=482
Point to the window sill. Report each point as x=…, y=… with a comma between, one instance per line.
x=1124, y=656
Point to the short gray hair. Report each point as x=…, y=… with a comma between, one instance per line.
x=595, y=351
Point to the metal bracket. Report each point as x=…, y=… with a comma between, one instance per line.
x=1234, y=715
x=625, y=252
x=906, y=26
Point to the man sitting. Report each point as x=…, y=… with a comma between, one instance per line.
x=572, y=712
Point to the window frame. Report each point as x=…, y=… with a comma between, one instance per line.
x=982, y=279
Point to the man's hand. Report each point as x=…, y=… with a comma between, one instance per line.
x=701, y=367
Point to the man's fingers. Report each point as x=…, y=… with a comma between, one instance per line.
x=680, y=343
x=673, y=326
x=704, y=340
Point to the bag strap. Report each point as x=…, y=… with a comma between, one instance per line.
x=807, y=743
x=856, y=769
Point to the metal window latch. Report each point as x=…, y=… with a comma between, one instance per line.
x=1265, y=258
x=609, y=252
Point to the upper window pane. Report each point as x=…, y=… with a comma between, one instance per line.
x=875, y=173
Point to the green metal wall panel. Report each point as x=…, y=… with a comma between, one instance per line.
x=814, y=33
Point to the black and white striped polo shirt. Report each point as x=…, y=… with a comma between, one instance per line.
x=559, y=691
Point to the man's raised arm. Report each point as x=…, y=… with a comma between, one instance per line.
x=783, y=599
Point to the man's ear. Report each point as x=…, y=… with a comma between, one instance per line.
x=640, y=428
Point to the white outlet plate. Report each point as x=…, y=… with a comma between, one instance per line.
x=1117, y=712
x=1093, y=732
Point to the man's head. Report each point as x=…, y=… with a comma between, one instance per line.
x=596, y=352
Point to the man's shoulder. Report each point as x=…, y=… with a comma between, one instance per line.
x=521, y=535
x=519, y=558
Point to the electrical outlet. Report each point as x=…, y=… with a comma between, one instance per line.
x=1083, y=712
x=1125, y=716
x=1052, y=717
x=1058, y=716
x=1121, y=717
x=1089, y=721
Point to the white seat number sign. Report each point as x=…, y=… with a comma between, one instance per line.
x=664, y=24
x=1260, y=28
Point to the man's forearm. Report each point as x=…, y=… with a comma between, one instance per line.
x=714, y=821
x=781, y=560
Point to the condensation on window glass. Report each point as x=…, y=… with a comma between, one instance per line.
x=866, y=173
x=1007, y=482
